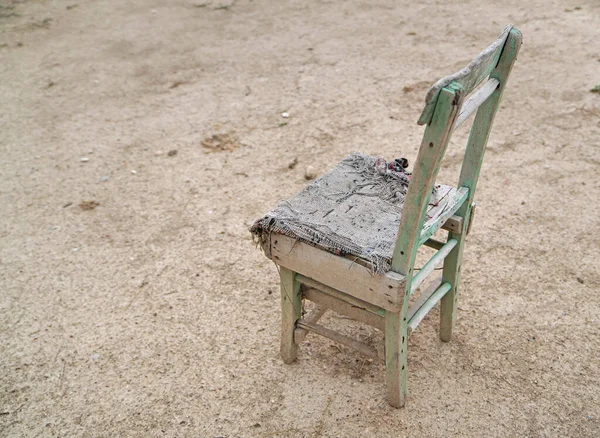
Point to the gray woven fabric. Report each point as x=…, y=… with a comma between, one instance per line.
x=353, y=209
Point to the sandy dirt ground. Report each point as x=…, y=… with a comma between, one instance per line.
x=140, y=139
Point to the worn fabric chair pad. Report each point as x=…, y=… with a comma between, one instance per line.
x=354, y=209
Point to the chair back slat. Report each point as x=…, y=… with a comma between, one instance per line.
x=469, y=77
x=475, y=101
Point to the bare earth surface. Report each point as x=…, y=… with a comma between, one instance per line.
x=133, y=301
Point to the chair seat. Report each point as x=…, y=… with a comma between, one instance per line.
x=354, y=209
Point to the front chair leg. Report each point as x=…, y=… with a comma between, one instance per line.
x=396, y=341
x=291, y=311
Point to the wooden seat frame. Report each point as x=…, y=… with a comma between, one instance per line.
x=348, y=286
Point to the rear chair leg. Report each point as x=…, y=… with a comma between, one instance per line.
x=451, y=274
x=396, y=337
x=291, y=311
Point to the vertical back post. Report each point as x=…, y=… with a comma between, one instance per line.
x=469, y=175
x=484, y=118
x=426, y=168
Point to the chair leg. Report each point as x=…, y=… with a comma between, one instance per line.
x=291, y=311
x=396, y=339
x=451, y=274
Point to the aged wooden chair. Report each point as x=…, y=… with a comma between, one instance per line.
x=348, y=241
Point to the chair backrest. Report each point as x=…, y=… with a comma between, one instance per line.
x=444, y=112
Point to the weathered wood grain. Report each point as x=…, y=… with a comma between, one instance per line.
x=468, y=78
x=344, y=308
x=432, y=243
x=469, y=176
x=423, y=296
x=396, y=344
x=443, y=217
x=434, y=261
x=312, y=317
x=427, y=305
x=476, y=100
x=310, y=283
x=383, y=290
x=431, y=153
x=367, y=350
x=453, y=223
x=291, y=310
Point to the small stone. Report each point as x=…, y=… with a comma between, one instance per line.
x=95, y=356
x=285, y=115
x=104, y=178
x=134, y=172
x=579, y=279
x=310, y=173
x=84, y=159
x=293, y=163
x=172, y=153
